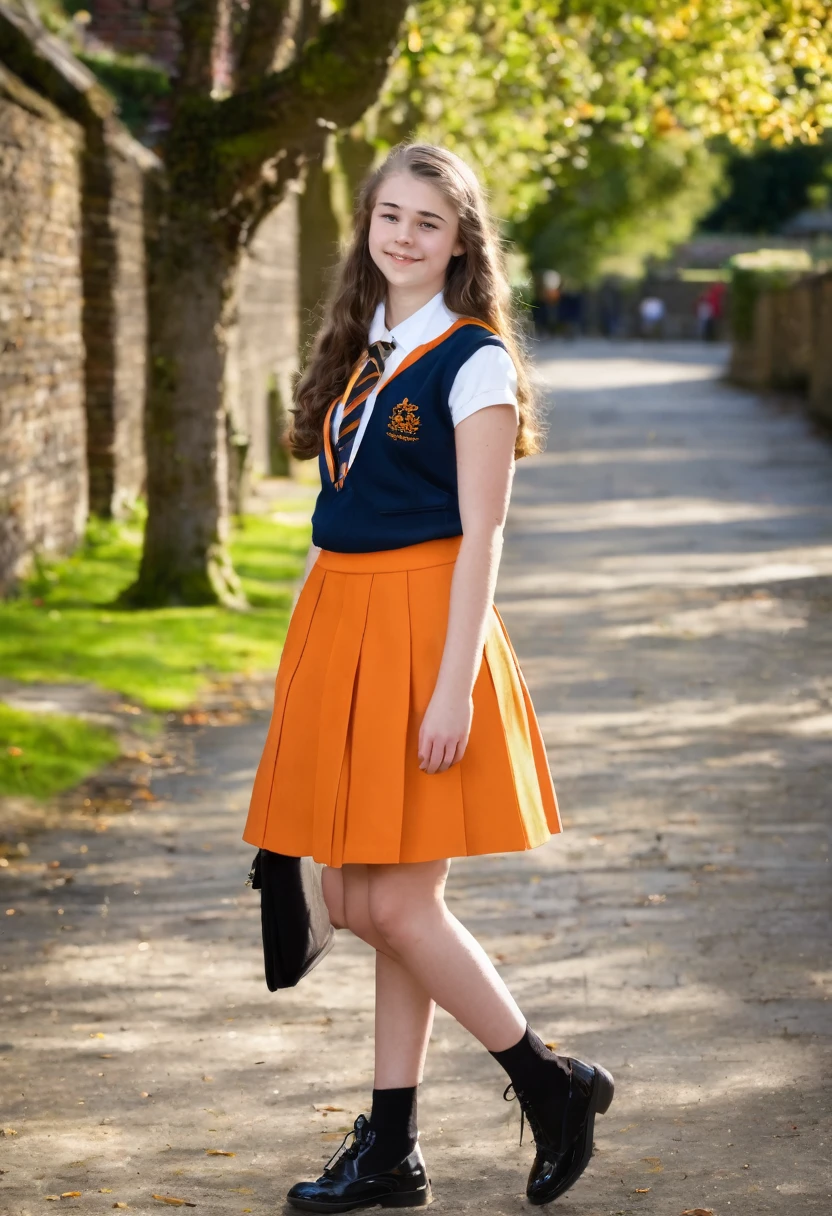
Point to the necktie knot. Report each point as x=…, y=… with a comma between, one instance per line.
x=361, y=386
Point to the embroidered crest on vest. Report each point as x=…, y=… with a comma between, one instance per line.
x=404, y=422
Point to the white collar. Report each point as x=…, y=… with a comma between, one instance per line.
x=424, y=325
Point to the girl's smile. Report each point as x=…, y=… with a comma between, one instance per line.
x=402, y=258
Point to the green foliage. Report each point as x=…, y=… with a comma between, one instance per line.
x=64, y=625
x=523, y=87
x=770, y=186
x=546, y=97
x=41, y=754
x=763, y=270
x=626, y=205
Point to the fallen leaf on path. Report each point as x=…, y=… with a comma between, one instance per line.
x=105, y=1190
x=552, y=1046
x=119, y=1205
x=107, y=1055
x=655, y=1164
x=70, y=1195
x=642, y=1190
x=219, y=1152
x=698, y=1212
x=8, y=1131
x=207, y=1078
x=98, y=1034
x=51, y=1197
x=325, y=1106
x=177, y=1203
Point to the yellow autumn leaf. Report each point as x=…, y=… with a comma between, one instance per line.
x=219, y=1152
x=177, y=1203
x=70, y=1194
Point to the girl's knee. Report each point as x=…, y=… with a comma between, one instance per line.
x=400, y=906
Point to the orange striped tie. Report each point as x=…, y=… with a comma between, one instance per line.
x=358, y=391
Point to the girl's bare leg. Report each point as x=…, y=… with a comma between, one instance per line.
x=404, y=1010
x=406, y=907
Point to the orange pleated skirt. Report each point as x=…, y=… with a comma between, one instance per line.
x=339, y=778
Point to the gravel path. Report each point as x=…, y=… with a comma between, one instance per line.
x=668, y=585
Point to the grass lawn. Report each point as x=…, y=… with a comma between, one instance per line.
x=44, y=753
x=63, y=627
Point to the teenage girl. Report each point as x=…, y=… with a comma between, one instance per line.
x=403, y=733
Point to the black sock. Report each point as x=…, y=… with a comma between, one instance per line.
x=535, y=1070
x=393, y=1120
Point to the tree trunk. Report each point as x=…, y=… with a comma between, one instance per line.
x=319, y=246
x=185, y=559
x=356, y=155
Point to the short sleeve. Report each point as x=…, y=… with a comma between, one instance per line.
x=489, y=377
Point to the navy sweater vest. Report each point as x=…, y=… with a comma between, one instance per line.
x=402, y=487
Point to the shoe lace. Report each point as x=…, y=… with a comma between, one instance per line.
x=526, y=1112
x=360, y=1131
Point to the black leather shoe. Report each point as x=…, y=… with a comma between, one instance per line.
x=344, y=1186
x=563, y=1131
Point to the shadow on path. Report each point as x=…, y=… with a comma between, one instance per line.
x=667, y=580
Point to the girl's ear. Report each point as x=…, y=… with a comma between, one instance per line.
x=458, y=250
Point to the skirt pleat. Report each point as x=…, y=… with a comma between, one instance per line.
x=339, y=778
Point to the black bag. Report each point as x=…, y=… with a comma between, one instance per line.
x=296, y=928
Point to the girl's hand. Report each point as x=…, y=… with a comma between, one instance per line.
x=444, y=733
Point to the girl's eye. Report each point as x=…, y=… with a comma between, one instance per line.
x=428, y=224
x=389, y=217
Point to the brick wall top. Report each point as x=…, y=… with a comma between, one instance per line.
x=151, y=27
x=138, y=27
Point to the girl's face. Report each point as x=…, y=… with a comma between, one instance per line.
x=414, y=233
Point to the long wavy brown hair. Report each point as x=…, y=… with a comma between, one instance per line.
x=476, y=286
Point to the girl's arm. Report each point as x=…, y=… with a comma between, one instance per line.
x=485, y=468
x=311, y=558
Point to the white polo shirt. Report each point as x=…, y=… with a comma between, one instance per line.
x=489, y=377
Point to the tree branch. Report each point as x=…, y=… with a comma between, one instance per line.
x=198, y=25
x=332, y=82
x=265, y=29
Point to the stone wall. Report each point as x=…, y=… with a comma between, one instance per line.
x=144, y=27
x=791, y=343
x=73, y=307
x=115, y=316
x=43, y=483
